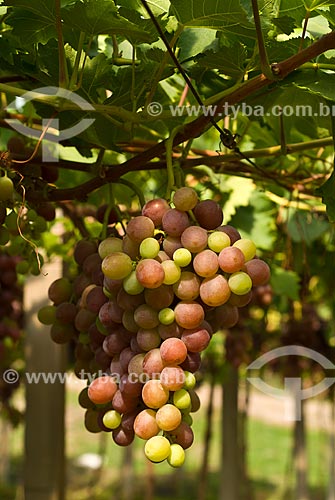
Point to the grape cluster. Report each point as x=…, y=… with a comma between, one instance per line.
x=11, y=333
x=20, y=225
x=143, y=307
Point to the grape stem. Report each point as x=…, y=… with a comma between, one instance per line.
x=134, y=188
x=169, y=161
x=111, y=203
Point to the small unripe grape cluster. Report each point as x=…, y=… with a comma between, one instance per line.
x=143, y=308
x=11, y=331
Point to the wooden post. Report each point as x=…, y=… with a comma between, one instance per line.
x=230, y=464
x=44, y=463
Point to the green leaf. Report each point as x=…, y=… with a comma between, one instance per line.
x=284, y=24
x=31, y=28
x=327, y=192
x=95, y=17
x=318, y=26
x=285, y=283
x=255, y=221
x=233, y=64
x=193, y=41
x=223, y=16
x=98, y=73
x=121, y=85
x=158, y=7
x=294, y=9
x=41, y=8
x=315, y=4
x=319, y=83
x=306, y=227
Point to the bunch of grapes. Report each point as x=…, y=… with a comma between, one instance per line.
x=11, y=334
x=143, y=308
x=22, y=224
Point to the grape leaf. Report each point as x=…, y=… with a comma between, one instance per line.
x=256, y=222
x=98, y=73
x=41, y=8
x=327, y=193
x=284, y=24
x=31, y=28
x=285, y=282
x=224, y=15
x=233, y=64
x=306, y=227
x=95, y=17
x=158, y=7
x=315, y=4
x=294, y=9
x=318, y=26
x=320, y=83
x=193, y=41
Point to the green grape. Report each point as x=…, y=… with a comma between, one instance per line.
x=157, y=448
x=36, y=264
x=40, y=224
x=217, y=241
x=22, y=267
x=131, y=284
x=149, y=248
x=190, y=380
x=176, y=457
x=172, y=272
x=32, y=215
x=166, y=316
x=4, y=235
x=109, y=245
x=11, y=222
x=47, y=315
x=6, y=188
x=182, y=257
x=101, y=327
x=185, y=199
x=84, y=338
x=248, y=248
x=182, y=399
x=111, y=419
x=187, y=418
x=117, y=265
x=240, y=283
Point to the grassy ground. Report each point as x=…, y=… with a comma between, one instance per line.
x=269, y=464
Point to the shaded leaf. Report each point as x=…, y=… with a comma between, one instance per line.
x=193, y=41
x=306, y=227
x=294, y=9
x=284, y=24
x=223, y=16
x=231, y=63
x=285, y=283
x=31, y=28
x=315, y=4
x=327, y=192
x=95, y=17
x=320, y=83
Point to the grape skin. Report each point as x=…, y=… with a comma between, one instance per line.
x=139, y=228
x=174, y=222
x=150, y=273
x=194, y=239
x=215, y=291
